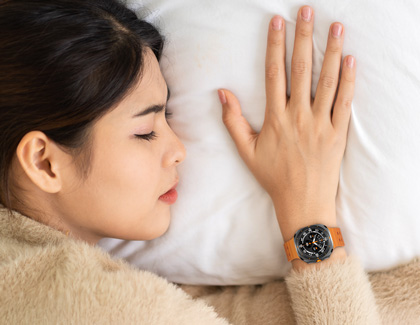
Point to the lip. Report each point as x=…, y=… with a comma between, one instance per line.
x=170, y=196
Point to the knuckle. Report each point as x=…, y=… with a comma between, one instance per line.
x=346, y=102
x=327, y=81
x=334, y=48
x=272, y=71
x=275, y=121
x=348, y=77
x=319, y=134
x=301, y=126
x=332, y=140
x=323, y=135
x=276, y=41
x=300, y=67
x=338, y=139
x=304, y=33
x=226, y=119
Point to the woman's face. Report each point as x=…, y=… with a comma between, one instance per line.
x=121, y=196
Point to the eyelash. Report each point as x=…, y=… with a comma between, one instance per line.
x=152, y=135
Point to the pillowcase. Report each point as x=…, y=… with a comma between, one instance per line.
x=224, y=230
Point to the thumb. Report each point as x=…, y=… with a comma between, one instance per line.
x=239, y=129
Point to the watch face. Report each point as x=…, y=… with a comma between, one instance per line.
x=313, y=243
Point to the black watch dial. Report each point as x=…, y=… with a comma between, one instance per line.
x=313, y=243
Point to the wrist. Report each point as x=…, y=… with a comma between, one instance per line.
x=291, y=219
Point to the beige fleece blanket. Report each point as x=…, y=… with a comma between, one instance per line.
x=397, y=295
x=48, y=278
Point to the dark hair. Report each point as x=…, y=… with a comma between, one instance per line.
x=63, y=65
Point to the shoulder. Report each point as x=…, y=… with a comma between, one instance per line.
x=73, y=279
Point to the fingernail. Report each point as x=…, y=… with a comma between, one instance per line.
x=222, y=96
x=350, y=61
x=337, y=30
x=306, y=13
x=276, y=23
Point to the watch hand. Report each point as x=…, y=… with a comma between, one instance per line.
x=315, y=244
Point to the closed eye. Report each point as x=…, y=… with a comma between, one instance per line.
x=151, y=136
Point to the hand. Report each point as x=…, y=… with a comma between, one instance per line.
x=297, y=154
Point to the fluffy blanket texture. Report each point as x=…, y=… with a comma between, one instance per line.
x=48, y=278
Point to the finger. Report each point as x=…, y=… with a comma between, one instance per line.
x=328, y=80
x=300, y=91
x=275, y=72
x=239, y=129
x=342, y=106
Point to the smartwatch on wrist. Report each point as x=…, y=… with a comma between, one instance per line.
x=313, y=243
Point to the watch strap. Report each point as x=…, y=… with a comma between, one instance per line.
x=290, y=247
x=337, y=237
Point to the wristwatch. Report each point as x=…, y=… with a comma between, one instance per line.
x=313, y=243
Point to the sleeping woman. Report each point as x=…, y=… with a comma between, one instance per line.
x=87, y=152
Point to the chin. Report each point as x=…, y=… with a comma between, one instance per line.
x=158, y=228
x=164, y=227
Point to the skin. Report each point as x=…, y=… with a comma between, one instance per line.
x=299, y=137
x=120, y=197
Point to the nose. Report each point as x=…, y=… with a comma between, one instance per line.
x=176, y=151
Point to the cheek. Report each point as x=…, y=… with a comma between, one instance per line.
x=139, y=174
x=128, y=171
x=129, y=188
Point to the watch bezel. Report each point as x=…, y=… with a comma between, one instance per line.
x=328, y=250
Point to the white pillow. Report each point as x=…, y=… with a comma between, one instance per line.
x=224, y=229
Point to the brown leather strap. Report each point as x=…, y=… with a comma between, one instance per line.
x=337, y=237
x=290, y=248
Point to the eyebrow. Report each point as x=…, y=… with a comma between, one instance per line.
x=154, y=108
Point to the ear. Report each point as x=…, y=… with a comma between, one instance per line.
x=41, y=160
